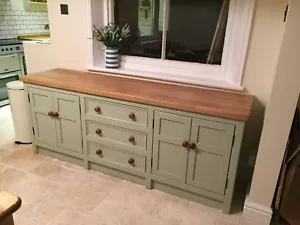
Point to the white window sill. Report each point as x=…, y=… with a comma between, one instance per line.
x=214, y=83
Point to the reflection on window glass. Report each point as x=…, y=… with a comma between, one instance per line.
x=146, y=20
x=194, y=31
x=191, y=30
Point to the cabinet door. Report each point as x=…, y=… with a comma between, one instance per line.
x=68, y=125
x=41, y=102
x=169, y=156
x=208, y=163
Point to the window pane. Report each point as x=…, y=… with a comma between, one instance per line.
x=192, y=30
x=145, y=18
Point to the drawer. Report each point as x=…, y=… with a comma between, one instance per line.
x=115, y=134
x=119, y=158
x=116, y=111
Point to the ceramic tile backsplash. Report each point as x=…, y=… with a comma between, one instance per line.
x=19, y=22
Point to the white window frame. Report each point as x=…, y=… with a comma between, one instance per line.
x=227, y=75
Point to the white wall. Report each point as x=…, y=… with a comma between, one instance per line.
x=69, y=34
x=262, y=58
x=279, y=113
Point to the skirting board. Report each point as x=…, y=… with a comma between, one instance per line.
x=257, y=213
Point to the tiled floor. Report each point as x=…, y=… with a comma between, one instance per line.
x=58, y=193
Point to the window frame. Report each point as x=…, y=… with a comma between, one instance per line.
x=227, y=75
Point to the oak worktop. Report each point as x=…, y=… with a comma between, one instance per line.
x=220, y=103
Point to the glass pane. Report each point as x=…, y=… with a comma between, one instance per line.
x=193, y=34
x=145, y=18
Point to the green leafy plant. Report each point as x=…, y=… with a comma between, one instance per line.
x=112, y=35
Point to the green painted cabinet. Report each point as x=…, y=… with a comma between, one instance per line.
x=192, y=151
x=169, y=156
x=187, y=154
x=208, y=161
x=68, y=125
x=44, y=126
x=63, y=130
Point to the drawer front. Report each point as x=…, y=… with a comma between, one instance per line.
x=116, y=111
x=118, y=157
x=115, y=134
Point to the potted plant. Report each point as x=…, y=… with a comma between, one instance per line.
x=112, y=36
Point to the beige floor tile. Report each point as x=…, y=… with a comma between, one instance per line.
x=23, y=158
x=137, y=217
x=176, y=212
x=218, y=214
x=130, y=196
x=53, y=172
x=68, y=217
x=29, y=187
x=2, y=167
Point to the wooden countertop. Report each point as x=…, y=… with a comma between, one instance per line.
x=220, y=103
x=9, y=203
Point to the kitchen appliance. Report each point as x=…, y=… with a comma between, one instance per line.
x=11, y=65
x=18, y=101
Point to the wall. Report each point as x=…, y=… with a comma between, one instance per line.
x=260, y=68
x=279, y=113
x=14, y=21
x=69, y=34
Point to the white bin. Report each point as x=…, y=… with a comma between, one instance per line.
x=20, y=115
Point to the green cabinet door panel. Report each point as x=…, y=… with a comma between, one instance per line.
x=68, y=124
x=208, y=163
x=41, y=103
x=169, y=156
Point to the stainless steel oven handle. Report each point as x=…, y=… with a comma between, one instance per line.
x=7, y=75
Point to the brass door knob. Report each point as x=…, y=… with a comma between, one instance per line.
x=193, y=146
x=98, y=131
x=131, y=116
x=97, y=109
x=131, y=161
x=185, y=144
x=131, y=139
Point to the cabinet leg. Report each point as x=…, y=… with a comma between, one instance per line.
x=34, y=149
x=86, y=164
x=148, y=183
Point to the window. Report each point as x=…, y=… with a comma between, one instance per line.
x=181, y=30
x=191, y=41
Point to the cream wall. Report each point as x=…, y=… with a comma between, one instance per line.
x=69, y=34
x=262, y=57
x=279, y=113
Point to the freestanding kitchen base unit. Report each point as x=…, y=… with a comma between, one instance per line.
x=182, y=140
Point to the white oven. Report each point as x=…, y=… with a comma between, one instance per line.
x=4, y=79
